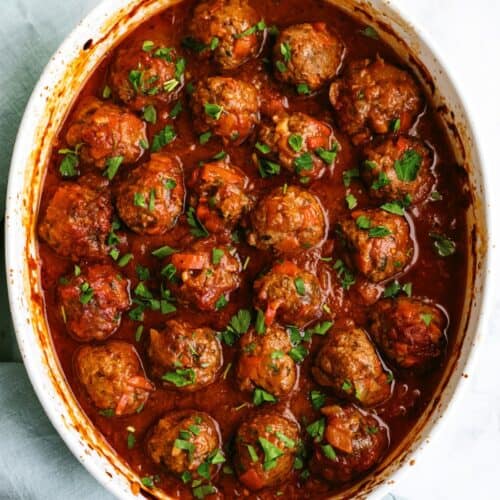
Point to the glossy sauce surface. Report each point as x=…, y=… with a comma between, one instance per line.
x=439, y=279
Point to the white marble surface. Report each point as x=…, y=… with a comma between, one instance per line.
x=462, y=461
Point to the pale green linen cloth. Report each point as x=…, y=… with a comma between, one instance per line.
x=34, y=462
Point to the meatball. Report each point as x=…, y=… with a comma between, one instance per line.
x=352, y=443
x=348, y=363
x=185, y=357
x=378, y=244
x=375, y=97
x=264, y=362
x=92, y=301
x=289, y=294
x=77, y=221
x=307, y=54
x=151, y=198
x=104, y=131
x=226, y=107
x=221, y=195
x=301, y=144
x=113, y=377
x=409, y=331
x=398, y=168
x=208, y=274
x=146, y=75
x=226, y=30
x=265, y=449
x=289, y=220
x=183, y=440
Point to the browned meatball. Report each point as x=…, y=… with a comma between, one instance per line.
x=226, y=107
x=265, y=449
x=226, y=30
x=348, y=363
x=92, y=301
x=352, y=443
x=307, y=54
x=398, y=168
x=77, y=222
x=221, y=195
x=375, y=97
x=185, y=357
x=113, y=377
x=208, y=274
x=264, y=362
x=301, y=144
x=151, y=198
x=146, y=74
x=106, y=131
x=409, y=331
x=289, y=294
x=378, y=244
x=289, y=220
x=183, y=440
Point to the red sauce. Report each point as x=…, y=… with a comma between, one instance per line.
x=441, y=280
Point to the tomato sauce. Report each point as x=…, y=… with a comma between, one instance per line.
x=441, y=280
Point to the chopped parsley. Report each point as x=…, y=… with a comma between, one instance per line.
x=351, y=200
x=261, y=396
x=379, y=232
x=163, y=138
x=268, y=168
x=329, y=452
x=217, y=255
x=176, y=110
x=70, y=162
x=253, y=454
x=408, y=165
x=260, y=325
x=426, y=318
x=125, y=259
x=369, y=32
x=214, y=111
x=381, y=181
x=205, y=137
x=112, y=166
x=221, y=303
x=197, y=228
x=346, y=276
x=299, y=286
x=303, y=89
x=86, y=293
x=238, y=325
x=298, y=353
x=327, y=155
x=149, y=114
x=303, y=162
x=317, y=399
x=316, y=429
x=262, y=148
x=395, y=208
x=443, y=245
x=163, y=252
x=271, y=453
x=349, y=175
x=295, y=142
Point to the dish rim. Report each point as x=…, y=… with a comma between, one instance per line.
x=16, y=234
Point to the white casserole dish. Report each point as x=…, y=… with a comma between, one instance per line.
x=59, y=85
